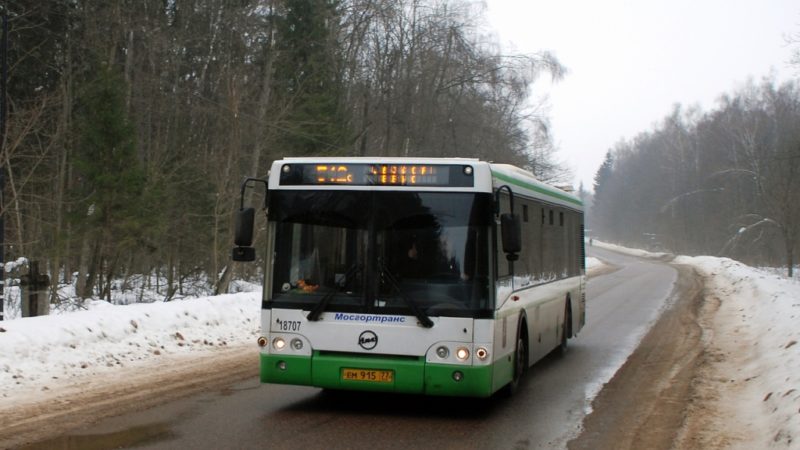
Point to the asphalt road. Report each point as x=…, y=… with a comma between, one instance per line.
x=546, y=412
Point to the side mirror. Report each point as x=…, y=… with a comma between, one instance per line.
x=511, y=230
x=243, y=238
x=245, y=218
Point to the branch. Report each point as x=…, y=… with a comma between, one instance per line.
x=671, y=202
x=734, y=240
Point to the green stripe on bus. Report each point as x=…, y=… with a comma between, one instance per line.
x=536, y=188
x=408, y=375
x=282, y=369
x=476, y=381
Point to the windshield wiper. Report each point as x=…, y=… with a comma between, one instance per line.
x=323, y=302
x=423, y=318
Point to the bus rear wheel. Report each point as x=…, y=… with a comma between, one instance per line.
x=566, y=330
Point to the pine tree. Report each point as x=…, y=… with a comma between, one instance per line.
x=307, y=79
x=111, y=180
x=599, y=215
x=603, y=174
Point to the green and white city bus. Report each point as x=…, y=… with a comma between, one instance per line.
x=413, y=275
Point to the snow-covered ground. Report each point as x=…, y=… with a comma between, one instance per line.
x=757, y=326
x=43, y=352
x=592, y=263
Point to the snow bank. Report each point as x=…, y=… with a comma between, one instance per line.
x=629, y=251
x=756, y=327
x=36, y=351
x=757, y=332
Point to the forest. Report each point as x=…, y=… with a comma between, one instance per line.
x=132, y=123
x=724, y=182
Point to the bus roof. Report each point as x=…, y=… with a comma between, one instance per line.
x=524, y=183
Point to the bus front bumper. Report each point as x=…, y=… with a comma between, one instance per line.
x=408, y=375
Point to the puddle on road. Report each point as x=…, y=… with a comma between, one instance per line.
x=146, y=434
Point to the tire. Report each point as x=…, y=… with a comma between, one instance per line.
x=566, y=331
x=520, y=361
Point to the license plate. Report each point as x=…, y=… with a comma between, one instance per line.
x=375, y=376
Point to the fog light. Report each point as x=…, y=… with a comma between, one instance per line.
x=279, y=343
x=262, y=341
x=458, y=376
x=462, y=353
x=281, y=365
x=442, y=352
x=481, y=353
x=297, y=344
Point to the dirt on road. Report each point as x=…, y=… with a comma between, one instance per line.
x=59, y=410
x=659, y=398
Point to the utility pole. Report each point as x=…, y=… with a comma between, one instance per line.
x=3, y=109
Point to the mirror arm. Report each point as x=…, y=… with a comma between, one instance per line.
x=497, y=199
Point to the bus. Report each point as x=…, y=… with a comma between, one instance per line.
x=436, y=276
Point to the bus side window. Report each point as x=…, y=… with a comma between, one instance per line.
x=524, y=267
x=503, y=269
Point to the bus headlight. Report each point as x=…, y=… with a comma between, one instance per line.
x=262, y=341
x=462, y=353
x=278, y=343
x=481, y=353
x=442, y=352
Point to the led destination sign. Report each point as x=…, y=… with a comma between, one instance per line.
x=354, y=174
x=383, y=174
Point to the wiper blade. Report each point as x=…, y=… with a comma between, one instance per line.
x=423, y=318
x=313, y=316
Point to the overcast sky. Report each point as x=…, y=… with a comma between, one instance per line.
x=629, y=62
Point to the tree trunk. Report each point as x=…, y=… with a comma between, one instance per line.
x=110, y=278
x=83, y=268
x=91, y=274
x=170, y=276
x=224, y=281
x=789, y=241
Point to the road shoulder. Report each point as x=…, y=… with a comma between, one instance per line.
x=645, y=404
x=87, y=400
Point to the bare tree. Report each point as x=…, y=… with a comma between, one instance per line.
x=723, y=182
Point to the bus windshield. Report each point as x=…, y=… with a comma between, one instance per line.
x=382, y=251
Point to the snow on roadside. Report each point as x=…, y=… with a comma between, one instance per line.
x=592, y=262
x=629, y=251
x=756, y=329
x=37, y=353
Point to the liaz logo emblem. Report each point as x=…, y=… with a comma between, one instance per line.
x=368, y=340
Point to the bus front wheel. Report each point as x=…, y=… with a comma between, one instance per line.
x=520, y=360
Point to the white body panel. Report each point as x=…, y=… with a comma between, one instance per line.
x=398, y=335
